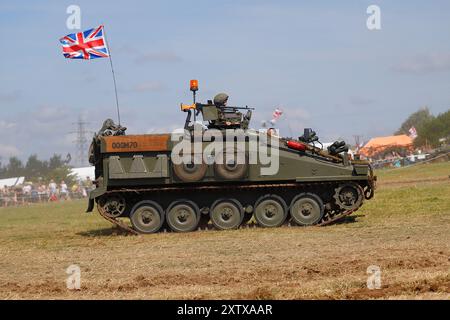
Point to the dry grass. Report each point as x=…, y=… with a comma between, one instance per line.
x=405, y=231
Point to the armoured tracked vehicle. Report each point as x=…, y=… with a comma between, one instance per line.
x=221, y=181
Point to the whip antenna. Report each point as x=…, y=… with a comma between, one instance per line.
x=114, y=76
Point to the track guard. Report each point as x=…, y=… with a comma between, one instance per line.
x=91, y=204
x=92, y=195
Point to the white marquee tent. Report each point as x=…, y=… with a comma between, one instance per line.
x=11, y=182
x=84, y=172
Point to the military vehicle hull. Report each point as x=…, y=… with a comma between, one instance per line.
x=137, y=178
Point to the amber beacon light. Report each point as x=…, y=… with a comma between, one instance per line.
x=194, y=85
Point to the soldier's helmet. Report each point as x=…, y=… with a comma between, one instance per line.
x=220, y=99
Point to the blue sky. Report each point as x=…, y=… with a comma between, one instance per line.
x=316, y=60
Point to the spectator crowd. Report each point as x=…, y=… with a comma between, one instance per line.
x=30, y=192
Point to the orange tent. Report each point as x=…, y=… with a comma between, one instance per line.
x=376, y=145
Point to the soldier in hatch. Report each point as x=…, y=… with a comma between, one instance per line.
x=220, y=100
x=229, y=118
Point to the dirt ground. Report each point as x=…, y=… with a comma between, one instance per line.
x=405, y=231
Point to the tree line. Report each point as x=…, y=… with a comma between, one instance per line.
x=35, y=169
x=429, y=128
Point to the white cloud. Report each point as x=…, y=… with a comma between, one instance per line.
x=296, y=114
x=10, y=96
x=42, y=130
x=4, y=125
x=422, y=64
x=164, y=129
x=361, y=101
x=162, y=56
x=150, y=86
x=7, y=151
x=51, y=113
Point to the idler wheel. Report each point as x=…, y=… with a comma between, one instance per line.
x=191, y=171
x=147, y=216
x=226, y=214
x=183, y=216
x=270, y=211
x=306, y=209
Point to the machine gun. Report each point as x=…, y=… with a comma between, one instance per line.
x=109, y=128
x=218, y=117
x=309, y=136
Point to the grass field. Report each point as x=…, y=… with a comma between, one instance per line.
x=405, y=230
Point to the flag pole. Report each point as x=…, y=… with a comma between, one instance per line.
x=114, y=76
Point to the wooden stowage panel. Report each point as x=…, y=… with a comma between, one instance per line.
x=136, y=143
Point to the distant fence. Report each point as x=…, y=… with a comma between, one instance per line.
x=405, y=162
x=17, y=198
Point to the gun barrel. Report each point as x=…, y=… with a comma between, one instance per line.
x=236, y=108
x=200, y=105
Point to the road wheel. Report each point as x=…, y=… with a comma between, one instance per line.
x=183, y=216
x=270, y=211
x=190, y=171
x=147, y=216
x=226, y=214
x=306, y=209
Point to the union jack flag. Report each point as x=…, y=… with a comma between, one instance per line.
x=412, y=133
x=277, y=113
x=89, y=44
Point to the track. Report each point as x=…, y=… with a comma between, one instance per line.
x=120, y=224
x=328, y=218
